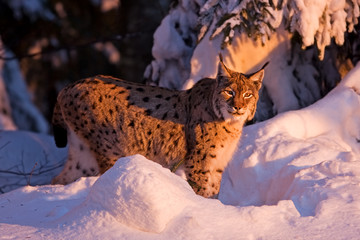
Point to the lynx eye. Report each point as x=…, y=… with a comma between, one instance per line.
x=247, y=95
x=229, y=92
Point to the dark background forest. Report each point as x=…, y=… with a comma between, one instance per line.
x=78, y=32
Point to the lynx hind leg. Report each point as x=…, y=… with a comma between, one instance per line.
x=80, y=162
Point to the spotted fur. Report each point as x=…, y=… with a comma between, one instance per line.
x=104, y=118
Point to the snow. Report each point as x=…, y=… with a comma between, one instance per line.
x=28, y=158
x=296, y=176
x=25, y=114
x=174, y=41
x=127, y=193
x=322, y=20
x=317, y=21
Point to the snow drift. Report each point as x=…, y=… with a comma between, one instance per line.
x=306, y=156
x=131, y=193
x=294, y=176
x=28, y=158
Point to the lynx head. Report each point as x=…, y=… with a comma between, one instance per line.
x=236, y=94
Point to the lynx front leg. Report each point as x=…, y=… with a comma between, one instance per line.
x=80, y=162
x=211, y=151
x=202, y=177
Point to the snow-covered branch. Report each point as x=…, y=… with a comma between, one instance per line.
x=316, y=21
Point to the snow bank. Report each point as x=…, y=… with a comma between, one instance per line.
x=28, y=159
x=137, y=197
x=159, y=205
x=307, y=156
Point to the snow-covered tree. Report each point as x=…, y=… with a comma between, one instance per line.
x=6, y=121
x=174, y=43
x=310, y=45
x=16, y=107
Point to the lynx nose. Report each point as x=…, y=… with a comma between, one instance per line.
x=238, y=109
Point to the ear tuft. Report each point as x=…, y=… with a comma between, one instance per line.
x=263, y=67
x=221, y=58
x=222, y=69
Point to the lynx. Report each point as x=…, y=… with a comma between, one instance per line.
x=195, y=131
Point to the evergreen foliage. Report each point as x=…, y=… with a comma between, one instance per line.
x=317, y=22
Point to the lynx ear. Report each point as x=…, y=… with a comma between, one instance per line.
x=258, y=76
x=222, y=69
